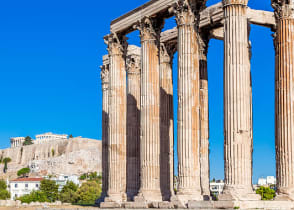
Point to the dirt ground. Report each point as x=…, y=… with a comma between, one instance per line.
x=48, y=208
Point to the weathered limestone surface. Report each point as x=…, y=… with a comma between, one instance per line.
x=188, y=104
x=73, y=156
x=150, y=111
x=204, y=117
x=284, y=45
x=117, y=120
x=133, y=121
x=167, y=51
x=237, y=104
x=105, y=86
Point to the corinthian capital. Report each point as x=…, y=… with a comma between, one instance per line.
x=133, y=61
x=283, y=8
x=235, y=2
x=117, y=45
x=150, y=28
x=104, y=74
x=187, y=12
x=167, y=51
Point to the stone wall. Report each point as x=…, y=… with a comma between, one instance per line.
x=74, y=156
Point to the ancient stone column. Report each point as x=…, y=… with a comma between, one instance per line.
x=105, y=85
x=150, y=103
x=133, y=121
x=167, y=51
x=117, y=120
x=237, y=104
x=204, y=117
x=188, y=103
x=284, y=45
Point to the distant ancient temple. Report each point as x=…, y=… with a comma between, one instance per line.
x=40, y=139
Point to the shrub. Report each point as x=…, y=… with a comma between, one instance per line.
x=68, y=193
x=88, y=193
x=266, y=193
x=35, y=196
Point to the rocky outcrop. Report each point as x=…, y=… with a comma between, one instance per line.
x=73, y=156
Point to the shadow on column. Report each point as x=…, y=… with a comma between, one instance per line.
x=133, y=148
x=105, y=168
x=166, y=115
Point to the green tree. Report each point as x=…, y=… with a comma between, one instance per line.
x=266, y=193
x=68, y=193
x=70, y=136
x=50, y=189
x=6, y=161
x=4, y=194
x=28, y=141
x=23, y=172
x=35, y=196
x=88, y=193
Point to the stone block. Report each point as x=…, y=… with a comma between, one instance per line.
x=135, y=205
x=166, y=205
x=110, y=205
x=200, y=204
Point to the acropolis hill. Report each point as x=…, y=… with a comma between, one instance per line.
x=70, y=156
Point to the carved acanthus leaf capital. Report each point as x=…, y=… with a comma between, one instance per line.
x=235, y=2
x=150, y=28
x=117, y=45
x=283, y=8
x=167, y=51
x=187, y=12
x=133, y=63
x=203, y=40
x=104, y=74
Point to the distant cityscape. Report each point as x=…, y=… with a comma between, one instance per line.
x=217, y=186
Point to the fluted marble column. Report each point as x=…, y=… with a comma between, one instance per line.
x=188, y=103
x=150, y=103
x=237, y=104
x=167, y=51
x=105, y=85
x=117, y=120
x=204, y=117
x=133, y=121
x=284, y=45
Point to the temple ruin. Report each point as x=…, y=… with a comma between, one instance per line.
x=138, y=137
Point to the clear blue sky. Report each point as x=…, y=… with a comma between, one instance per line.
x=50, y=53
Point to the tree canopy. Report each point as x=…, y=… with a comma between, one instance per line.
x=23, y=172
x=28, y=141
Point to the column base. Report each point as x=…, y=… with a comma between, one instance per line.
x=114, y=200
x=181, y=199
x=238, y=194
x=148, y=196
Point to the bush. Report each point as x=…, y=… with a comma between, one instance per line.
x=266, y=193
x=4, y=194
x=35, y=196
x=68, y=193
x=88, y=193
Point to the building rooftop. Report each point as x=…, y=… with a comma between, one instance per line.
x=26, y=179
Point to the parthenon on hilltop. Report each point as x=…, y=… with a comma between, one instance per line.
x=138, y=141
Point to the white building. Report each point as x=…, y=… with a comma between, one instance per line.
x=16, y=141
x=61, y=180
x=23, y=186
x=48, y=137
x=269, y=180
x=217, y=187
